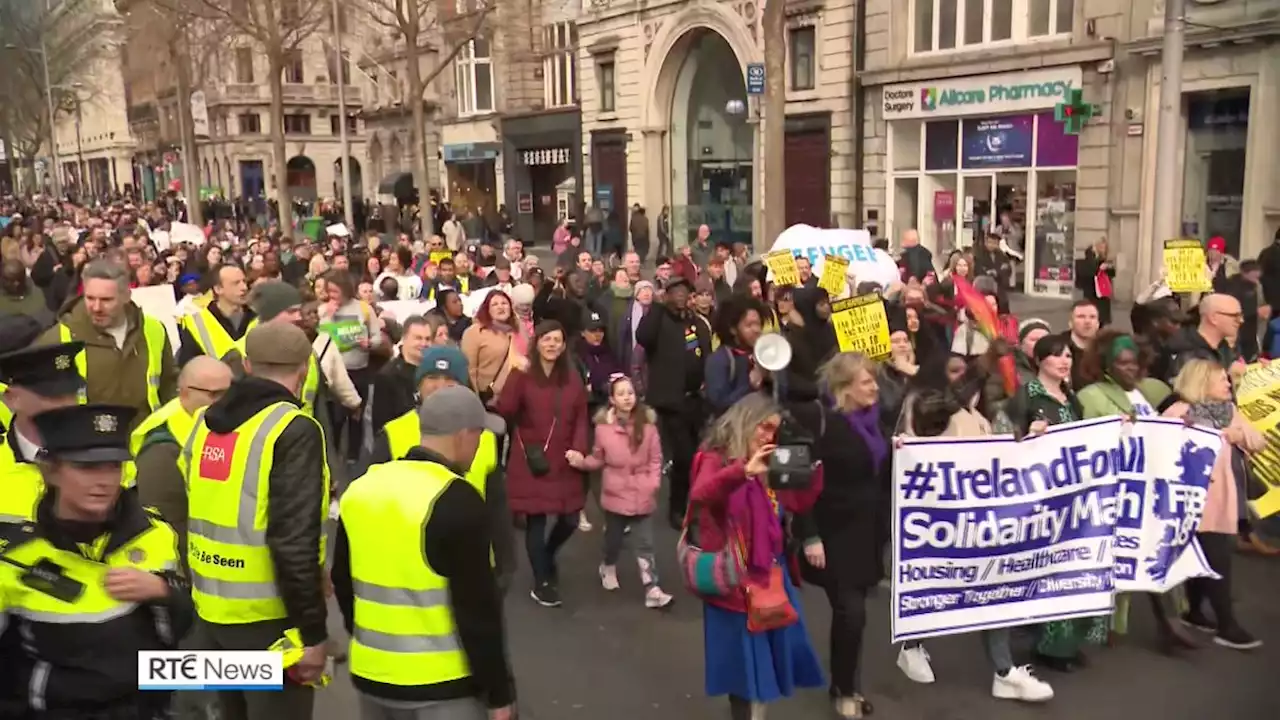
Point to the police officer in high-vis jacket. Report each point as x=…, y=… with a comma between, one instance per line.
x=92, y=580
x=35, y=379
x=413, y=579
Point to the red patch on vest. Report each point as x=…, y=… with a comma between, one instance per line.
x=215, y=460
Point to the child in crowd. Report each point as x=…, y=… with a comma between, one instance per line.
x=627, y=449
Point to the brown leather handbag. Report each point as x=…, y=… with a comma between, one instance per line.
x=768, y=607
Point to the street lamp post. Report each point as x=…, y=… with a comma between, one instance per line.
x=348, y=212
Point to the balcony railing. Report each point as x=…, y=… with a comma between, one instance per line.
x=293, y=93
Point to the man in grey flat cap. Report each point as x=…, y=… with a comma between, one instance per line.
x=413, y=549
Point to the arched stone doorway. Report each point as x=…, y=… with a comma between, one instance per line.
x=357, y=181
x=300, y=178
x=701, y=134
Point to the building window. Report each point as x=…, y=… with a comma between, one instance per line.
x=802, y=43
x=297, y=124
x=559, y=67
x=352, y=124
x=475, y=78
x=946, y=25
x=244, y=65
x=607, y=93
x=293, y=67
x=250, y=124
x=333, y=71
x=1051, y=17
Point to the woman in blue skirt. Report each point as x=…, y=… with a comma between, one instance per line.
x=730, y=498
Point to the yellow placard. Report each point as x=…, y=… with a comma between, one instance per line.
x=1185, y=265
x=783, y=266
x=834, y=275
x=1258, y=396
x=861, y=325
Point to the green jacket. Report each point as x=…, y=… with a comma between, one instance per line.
x=1105, y=398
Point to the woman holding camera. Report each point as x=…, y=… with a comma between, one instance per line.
x=755, y=653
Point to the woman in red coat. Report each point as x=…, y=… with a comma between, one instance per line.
x=546, y=402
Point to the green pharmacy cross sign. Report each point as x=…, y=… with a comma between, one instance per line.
x=1073, y=112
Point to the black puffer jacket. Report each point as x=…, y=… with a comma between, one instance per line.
x=813, y=341
x=297, y=500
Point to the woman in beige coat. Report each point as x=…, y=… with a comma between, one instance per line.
x=491, y=345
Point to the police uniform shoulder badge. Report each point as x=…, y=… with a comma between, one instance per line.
x=105, y=423
x=62, y=362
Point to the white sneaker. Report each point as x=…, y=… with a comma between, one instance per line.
x=583, y=524
x=656, y=599
x=914, y=662
x=609, y=577
x=1020, y=684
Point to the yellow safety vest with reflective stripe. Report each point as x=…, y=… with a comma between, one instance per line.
x=21, y=484
x=153, y=550
x=403, y=435
x=6, y=415
x=404, y=631
x=310, y=384
x=171, y=414
x=155, y=335
x=209, y=334
x=233, y=579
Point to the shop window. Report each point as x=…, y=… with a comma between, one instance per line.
x=802, y=44
x=906, y=200
x=244, y=65
x=906, y=144
x=560, y=66
x=1055, y=232
x=475, y=78
x=250, y=123
x=942, y=145
x=607, y=91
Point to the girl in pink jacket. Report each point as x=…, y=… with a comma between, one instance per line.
x=629, y=453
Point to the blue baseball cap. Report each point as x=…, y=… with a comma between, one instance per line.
x=444, y=360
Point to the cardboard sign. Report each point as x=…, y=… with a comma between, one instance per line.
x=862, y=326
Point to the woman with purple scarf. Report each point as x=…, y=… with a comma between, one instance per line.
x=730, y=498
x=851, y=516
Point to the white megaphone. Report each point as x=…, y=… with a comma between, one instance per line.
x=773, y=352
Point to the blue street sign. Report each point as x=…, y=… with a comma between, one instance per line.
x=755, y=78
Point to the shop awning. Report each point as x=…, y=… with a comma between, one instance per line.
x=399, y=185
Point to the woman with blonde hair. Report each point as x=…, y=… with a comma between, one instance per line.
x=1096, y=274
x=1202, y=396
x=730, y=497
x=847, y=530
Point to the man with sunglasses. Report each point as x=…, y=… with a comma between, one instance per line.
x=157, y=442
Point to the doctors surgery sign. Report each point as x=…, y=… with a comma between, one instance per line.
x=980, y=94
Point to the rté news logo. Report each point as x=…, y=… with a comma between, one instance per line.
x=210, y=670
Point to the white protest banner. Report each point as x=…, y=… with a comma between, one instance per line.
x=161, y=240
x=866, y=264
x=180, y=232
x=990, y=532
x=471, y=303
x=1161, y=552
x=159, y=302
x=402, y=310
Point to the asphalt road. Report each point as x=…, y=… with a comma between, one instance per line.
x=604, y=655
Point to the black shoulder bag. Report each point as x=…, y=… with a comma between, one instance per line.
x=536, y=457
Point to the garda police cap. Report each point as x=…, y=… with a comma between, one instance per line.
x=47, y=370
x=86, y=433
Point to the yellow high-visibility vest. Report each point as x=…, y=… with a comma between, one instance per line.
x=6, y=415
x=172, y=414
x=404, y=631
x=209, y=334
x=233, y=579
x=155, y=335
x=403, y=435
x=21, y=484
